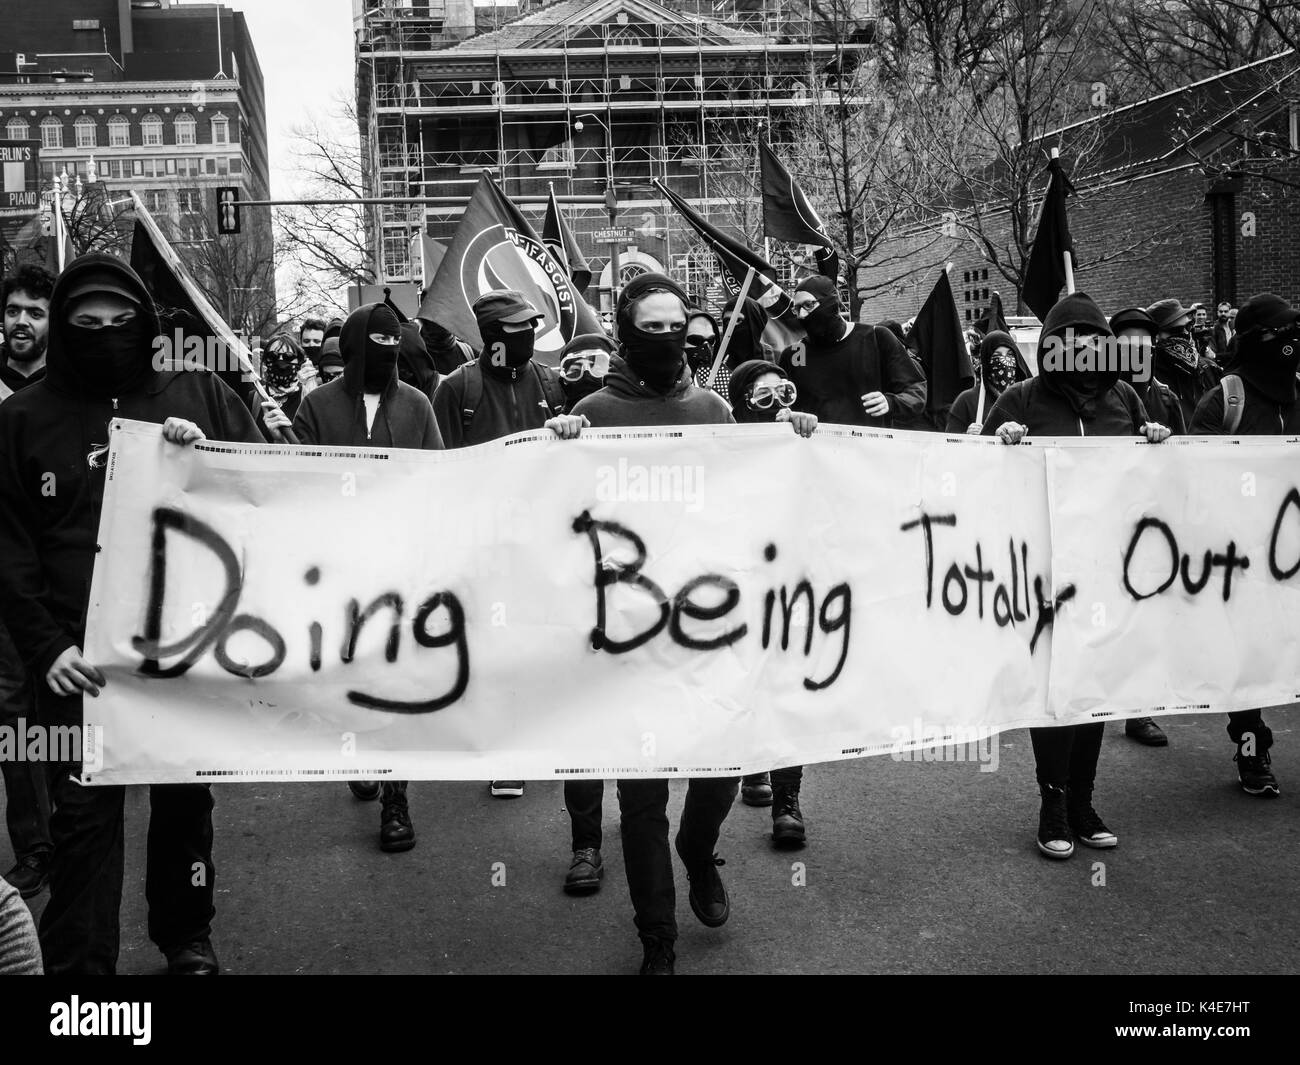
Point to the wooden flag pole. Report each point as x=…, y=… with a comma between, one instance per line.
x=731, y=326
x=1065, y=255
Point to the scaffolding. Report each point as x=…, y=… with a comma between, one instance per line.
x=447, y=91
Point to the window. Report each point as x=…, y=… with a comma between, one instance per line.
x=397, y=257
x=185, y=125
x=210, y=166
x=16, y=129
x=84, y=129
x=51, y=132
x=559, y=157
x=223, y=166
x=155, y=200
x=189, y=201
x=220, y=130
x=236, y=165
x=119, y=132
x=151, y=128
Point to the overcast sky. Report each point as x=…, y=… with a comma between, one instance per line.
x=306, y=51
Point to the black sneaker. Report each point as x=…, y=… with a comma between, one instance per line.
x=585, y=872
x=659, y=958
x=756, y=790
x=365, y=790
x=506, y=789
x=1054, y=838
x=1146, y=732
x=787, y=818
x=708, y=895
x=396, y=833
x=1088, y=828
x=1252, y=771
x=30, y=876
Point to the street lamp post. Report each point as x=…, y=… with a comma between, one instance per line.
x=611, y=203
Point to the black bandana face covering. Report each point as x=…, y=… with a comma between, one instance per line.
x=655, y=357
x=511, y=350
x=110, y=360
x=824, y=324
x=1002, y=370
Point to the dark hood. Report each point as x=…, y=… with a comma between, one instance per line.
x=1079, y=388
x=742, y=377
x=414, y=363
x=61, y=364
x=754, y=318
x=352, y=346
x=621, y=381
x=991, y=343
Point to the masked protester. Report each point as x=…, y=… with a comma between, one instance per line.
x=1177, y=362
x=747, y=338
x=446, y=349
x=415, y=366
x=331, y=360
x=368, y=405
x=1071, y=396
x=849, y=374
x=1259, y=398
x=311, y=338
x=584, y=362
x=1000, y=366
x=282, y=362
x=99, y=366
x=504, y=391
x=1136, y=331
x=25, y=303
x=702, y=335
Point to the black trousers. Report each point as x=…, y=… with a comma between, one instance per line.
x=1067, y=755
x=1244, y=722
x=643, y=809
x=27, y=804
x=584, y=799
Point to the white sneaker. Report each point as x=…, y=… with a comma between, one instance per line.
x=506, y=789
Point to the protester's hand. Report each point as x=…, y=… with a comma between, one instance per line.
x=274, y=416
x=308, y=377
x=875, y=404
x=71, y=673
x=975, y=428
x=803, y=423
x=568, y=426
x=179, y=431
x=1155, y=432
x=1011, y=432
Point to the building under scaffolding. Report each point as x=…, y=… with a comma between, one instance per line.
x=575, y=94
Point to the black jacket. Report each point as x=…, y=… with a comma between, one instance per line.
x=511, y=401
x=966, y=407
x=1260, y=416
x=1162, y=405
x=625, y=400
x=1046, y=413
x=832, y=379
x=51, y=491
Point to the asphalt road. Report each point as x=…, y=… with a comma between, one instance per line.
x=911, y=867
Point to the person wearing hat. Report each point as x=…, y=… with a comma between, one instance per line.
x=100, y=365
x=1000, y=365
x=584, y=362
x=1177, y=363
x=1136, y=330
x=846, y=373
x=1066, y=400
x=331, y=360
x=1258, y=398
x=504, y=391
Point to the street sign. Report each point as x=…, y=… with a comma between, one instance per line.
x=613, y=236
x=20, y=177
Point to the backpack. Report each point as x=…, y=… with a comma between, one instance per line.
x=1234, y=402
x=552, y=392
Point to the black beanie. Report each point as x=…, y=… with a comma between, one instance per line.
x=643, y=285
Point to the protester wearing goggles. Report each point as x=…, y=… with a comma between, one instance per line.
x=584, y=362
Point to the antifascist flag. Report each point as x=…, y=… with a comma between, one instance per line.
x=993, y=320
x=559, y=238
x=941, y=343
x=735, y=259
x=1045, y=268
x=787, y=214
x=494, y=247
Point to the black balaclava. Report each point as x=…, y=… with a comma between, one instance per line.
x=656, y=358
x=504, y=351
x=586, y=384
x=367, y=366
x=1081, y=389
x=701, y=357
x=742, y=380
x=747, y=338
x=414, y=363
x=824, y=325
x=108, y=362
x=1270, y=365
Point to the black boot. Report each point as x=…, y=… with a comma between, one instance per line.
x=396, y=833
x=787, y=818
x=1054, y=837
x=1088, y=828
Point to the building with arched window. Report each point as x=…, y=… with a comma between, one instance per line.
x=84, y=129
x=16, y=129
x=51, y=132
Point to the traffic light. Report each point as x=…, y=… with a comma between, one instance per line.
x=228, y=210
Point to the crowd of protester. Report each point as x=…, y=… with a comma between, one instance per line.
x=78, y=352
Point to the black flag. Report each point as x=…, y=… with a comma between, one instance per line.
x=941, y=343
x=1045, y=268
x=993, y=319
x=557, y=236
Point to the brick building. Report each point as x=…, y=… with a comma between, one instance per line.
x=1147, y=222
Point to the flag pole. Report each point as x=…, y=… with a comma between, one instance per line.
x=1065, y=255
x=731, y=326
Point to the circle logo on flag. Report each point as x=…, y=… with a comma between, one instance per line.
x=502, y=258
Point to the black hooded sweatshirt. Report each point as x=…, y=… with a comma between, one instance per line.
x=415, y=365
x=1271, y=406
x=48, y=435
x=625, y=400
x=512, y=400
x=335, y=413
x=1048, y=405
x=965, y=409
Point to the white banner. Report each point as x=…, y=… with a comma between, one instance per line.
x=657, y=602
